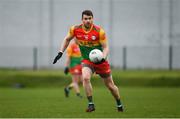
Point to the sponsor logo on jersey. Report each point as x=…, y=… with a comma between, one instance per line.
x=79, y=36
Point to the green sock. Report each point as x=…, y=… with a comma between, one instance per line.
x=118, y=101
x=90, y=100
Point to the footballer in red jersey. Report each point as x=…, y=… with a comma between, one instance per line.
x=88, y=37
x=73, y=65
x=89, y=40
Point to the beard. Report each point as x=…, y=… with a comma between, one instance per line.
x=88, y=25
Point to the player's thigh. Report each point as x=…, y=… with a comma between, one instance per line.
x=86, y=73
x=75, y=78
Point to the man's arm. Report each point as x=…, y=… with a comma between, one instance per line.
x=105, y=49
x=64, y=45
x=104, y=43
x=67, y=39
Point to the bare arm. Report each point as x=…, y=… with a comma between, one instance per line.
x=65, y=43
x=63, y=47
x=105, y=49
x=104, y=43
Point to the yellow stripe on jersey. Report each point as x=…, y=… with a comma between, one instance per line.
x=71, y=31
x=70, y=53
x=102, y=36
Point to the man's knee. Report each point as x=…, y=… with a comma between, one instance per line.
x=86, y=79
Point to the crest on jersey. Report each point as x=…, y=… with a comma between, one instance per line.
x=93, y=37
x=86, y=37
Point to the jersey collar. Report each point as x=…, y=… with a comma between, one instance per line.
x=88, y=30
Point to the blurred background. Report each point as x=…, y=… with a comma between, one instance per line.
x=143, y=34
x=144, y=40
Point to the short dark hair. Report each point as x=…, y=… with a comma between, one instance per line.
x=87, y=12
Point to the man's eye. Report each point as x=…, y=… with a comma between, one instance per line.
x=87, y=18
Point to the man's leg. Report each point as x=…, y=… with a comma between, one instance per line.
x=114, y=91
x=75, y=79
x=86, y=75
x=68, y=88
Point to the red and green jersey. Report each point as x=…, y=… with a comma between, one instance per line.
x=74, y=53
x=88, y=40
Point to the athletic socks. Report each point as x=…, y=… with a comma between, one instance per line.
x=90, y=100
x=118, y=101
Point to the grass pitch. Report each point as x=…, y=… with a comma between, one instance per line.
x=50, y=102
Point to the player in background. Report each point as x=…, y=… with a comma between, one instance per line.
x=89, y=37
x=73, y=65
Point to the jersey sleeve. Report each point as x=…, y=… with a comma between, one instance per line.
x=102, y=37
x=71, y=31
x=69, y=51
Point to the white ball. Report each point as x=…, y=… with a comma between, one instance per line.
x=95, y=55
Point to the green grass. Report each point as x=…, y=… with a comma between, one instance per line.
x=50, y=102
x=50, y=78
x=145, y=93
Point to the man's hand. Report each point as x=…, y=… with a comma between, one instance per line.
x=103, y=60
x=57, y=57
x=66, y=70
